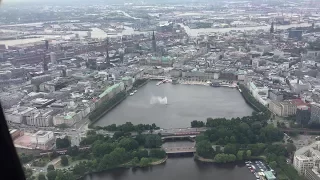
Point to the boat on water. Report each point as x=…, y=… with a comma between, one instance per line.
x=135, y=91
x=131, y=94
x=158, y=83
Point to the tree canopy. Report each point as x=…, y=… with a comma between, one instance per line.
x=63, y=143
x=64, y=160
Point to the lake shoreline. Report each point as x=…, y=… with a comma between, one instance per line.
x=123, y=166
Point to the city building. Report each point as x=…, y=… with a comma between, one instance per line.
x=255, y=63
x=66, y=118
x=15, y=133
x=298, y=86
x=307, y=157
x=259, y=91
x=154, y=43
x=44, y=140
x=53, y=57
x=275, y=95
x=295, y=34
x=303, y=115
x=315, y=113
x=18, y=114
x=283, y=108
x=312, y=173
x=40, y=118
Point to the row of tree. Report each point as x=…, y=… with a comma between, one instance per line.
x=247, y=95
x=139, y=82
x=106, y=105
x=129, y=127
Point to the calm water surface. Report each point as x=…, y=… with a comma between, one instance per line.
x=185, y=103
x=179, y=169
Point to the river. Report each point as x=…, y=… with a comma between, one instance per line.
x=196, y=32
x=95, y=33
x=185, y=168
x=185, y=103
x=100, y=34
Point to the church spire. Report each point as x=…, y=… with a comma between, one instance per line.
x=107, y=51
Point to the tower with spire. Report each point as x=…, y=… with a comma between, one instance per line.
x=154, y=43
x=272, y=28
x=45, y=63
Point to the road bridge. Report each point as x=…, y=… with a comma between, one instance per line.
x=190, y=138
x=180, y=150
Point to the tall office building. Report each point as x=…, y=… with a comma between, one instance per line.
x=107, y=51
x=45, y=63
x=315, y=113
x=53, y=58
x=154, y=43
x=46, y=42
x=303, y=115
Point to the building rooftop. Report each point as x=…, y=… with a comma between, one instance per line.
x=301, y=153
x=42, y=133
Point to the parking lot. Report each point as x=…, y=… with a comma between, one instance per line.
x=257, y=168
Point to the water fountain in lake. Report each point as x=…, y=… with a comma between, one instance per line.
x=158, y=100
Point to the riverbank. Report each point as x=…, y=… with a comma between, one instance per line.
x=201, y=159
x=161, y=161
x=106, y=111
x=138, y=84
x=218, y=84
x=251, y=100
x=126, y=166
x=178, y=168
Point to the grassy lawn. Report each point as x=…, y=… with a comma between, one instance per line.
x=282, y=176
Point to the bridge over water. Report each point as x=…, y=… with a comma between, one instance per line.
x=180, y=150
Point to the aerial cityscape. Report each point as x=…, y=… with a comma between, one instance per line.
x=119, y=90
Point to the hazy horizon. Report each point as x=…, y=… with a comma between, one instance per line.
x=62, y=2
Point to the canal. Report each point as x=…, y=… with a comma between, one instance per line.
x=175, y=106
x=182, y=168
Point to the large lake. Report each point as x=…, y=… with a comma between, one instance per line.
x=185, y=103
